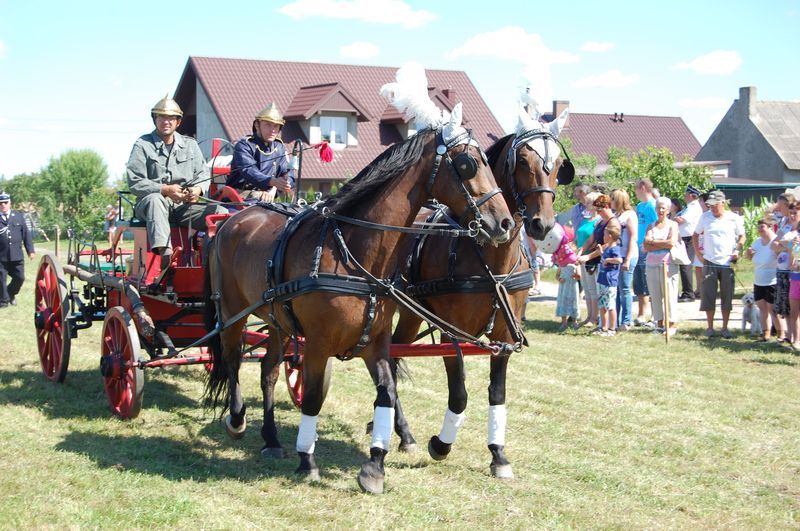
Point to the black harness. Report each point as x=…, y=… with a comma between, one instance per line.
x=501, y=285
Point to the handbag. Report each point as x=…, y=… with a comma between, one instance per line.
x=678, y=254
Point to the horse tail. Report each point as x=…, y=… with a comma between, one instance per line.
x=403, y=370
x=216, y=390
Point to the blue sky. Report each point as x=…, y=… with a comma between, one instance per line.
x=84, y=74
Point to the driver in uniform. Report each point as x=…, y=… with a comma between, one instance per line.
x=260, y=166
x=167, y=173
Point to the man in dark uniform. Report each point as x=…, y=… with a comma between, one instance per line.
x=13, y=234
x=260, y=166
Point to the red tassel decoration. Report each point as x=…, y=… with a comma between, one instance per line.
x=325, y=152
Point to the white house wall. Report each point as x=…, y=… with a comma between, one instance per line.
x=208, y=125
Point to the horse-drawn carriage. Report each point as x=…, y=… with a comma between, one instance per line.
x=347, y=256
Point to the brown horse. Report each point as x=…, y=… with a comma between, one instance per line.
x=527, y=166
x=444, y=163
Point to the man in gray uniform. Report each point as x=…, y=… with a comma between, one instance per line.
x=167, y=174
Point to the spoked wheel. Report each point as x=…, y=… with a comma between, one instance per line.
x=294, y=380
x=50, y=318
x=123, y=379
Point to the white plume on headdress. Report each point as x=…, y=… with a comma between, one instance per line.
x=526, y=99
x=409, y=94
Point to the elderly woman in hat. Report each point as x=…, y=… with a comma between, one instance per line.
x=260, y=167
x=723, y=239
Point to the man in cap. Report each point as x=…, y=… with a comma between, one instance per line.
x=167, y=174
x=13, y=235
x=687, y=221
x=260, y=165
x=723, y=239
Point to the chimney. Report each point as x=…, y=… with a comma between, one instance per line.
x=449, y=93
x=747, y=97
x=622, y=117
x=615, y=117
x=558, y=108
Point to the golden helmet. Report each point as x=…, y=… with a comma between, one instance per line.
x=270, y=113
x=166, y=106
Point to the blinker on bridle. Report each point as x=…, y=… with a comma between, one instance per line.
x=566, y=172
x=464, y=167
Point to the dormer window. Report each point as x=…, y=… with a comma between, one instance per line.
x=327, y=112
x=334, y=130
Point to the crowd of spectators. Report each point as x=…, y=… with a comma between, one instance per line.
x=620, y=251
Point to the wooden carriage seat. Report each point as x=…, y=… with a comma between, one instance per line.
x=187, y=246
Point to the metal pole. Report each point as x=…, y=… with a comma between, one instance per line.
x=297, y=155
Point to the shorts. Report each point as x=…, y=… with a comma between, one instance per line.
x=606, y=297
x=794, y=290
x=764, y=293
x=640, y=277
x=782, y=293
x=713, y=274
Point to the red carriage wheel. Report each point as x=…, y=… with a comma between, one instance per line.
x=123, y=379
x=50, y=318
x=294, y=380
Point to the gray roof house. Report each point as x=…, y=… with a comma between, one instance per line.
x=761, y=139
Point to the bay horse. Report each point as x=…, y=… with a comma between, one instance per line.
x=317, y=287
x=527, y=166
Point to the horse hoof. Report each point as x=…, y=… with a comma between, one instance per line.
x=501, y=471
x=234, y=432
x=370, y=479
x=407, y=448
x=308, y=475
x=272, y=453
x=437, y=454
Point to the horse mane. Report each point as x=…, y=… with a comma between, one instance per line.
x=493, y=153
x=386, y=166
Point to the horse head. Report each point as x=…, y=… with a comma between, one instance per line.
x=536, y=163
x=466, y=183
x=461, y=177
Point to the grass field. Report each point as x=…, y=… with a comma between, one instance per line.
x=603, y=433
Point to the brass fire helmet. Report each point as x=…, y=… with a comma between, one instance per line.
x=166, y=106
x=270, y=113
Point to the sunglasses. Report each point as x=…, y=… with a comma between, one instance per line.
x=4, y=202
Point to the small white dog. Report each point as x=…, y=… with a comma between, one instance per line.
x=751, y=314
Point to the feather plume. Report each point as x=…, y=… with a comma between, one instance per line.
x=409, y=95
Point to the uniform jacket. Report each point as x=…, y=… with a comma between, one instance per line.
x=13, y=235
x=256, y=162
x=151, y=165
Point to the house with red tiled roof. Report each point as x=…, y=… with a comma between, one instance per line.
x=594, y=134
x=333, y=102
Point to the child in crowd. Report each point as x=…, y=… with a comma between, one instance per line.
x=607, y=281
x=567, y=302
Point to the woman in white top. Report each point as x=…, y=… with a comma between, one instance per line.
x=661, y=236
x=766, y=265
x=621, y=204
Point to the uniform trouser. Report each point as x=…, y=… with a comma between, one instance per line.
x=16, y=270
x=687, y=271
x=159, y=212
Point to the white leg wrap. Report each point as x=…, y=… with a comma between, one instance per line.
x=497, y=425
x=452, y=422
x=382, y=424
x=307, y=434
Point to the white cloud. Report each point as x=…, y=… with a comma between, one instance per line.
x=359, y=50
x=718, y=62
x=611, y=79
x=596, y=47
x=710, y=102
x=373, y=11
x=513, y=44
x=2, y=50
